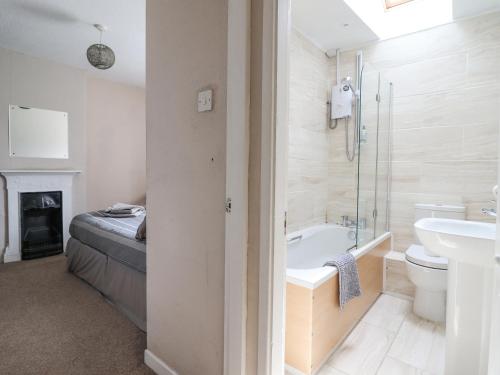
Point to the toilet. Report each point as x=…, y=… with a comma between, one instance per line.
x=427, y=271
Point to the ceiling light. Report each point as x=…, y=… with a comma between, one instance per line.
x=99, y=55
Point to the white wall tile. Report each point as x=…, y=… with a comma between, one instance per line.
x=428, y=144
x=463, y=106
x=424, y=77
x=308, y=154
x=481, y=140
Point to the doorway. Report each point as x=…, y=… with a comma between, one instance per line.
x=362, y=204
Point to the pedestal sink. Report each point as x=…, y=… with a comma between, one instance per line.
x=469, y=247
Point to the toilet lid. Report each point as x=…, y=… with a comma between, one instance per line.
x=416, y=254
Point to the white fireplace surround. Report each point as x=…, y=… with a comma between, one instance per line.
x=33, y=181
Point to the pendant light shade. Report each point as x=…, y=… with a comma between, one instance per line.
x=99, y=55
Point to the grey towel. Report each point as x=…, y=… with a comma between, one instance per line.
x=348, y=277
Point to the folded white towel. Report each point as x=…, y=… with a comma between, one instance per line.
x=125, y=209
x=124, y=206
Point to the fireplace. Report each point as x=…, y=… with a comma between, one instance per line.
x=41, y=224
x=57, y=185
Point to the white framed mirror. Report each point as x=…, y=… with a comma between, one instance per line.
x=37, y=133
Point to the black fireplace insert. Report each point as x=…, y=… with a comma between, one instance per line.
x=41, y=224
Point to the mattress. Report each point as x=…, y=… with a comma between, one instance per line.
x=120, y=284
x=114, y=237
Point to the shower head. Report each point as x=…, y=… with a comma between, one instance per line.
x=347, y=84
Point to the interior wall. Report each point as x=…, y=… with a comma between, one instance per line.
x=311, y=76
x=254, y=188
x=186, y=183
x=34, y=82
x=322, y=182
x=445, y=140
x=445, y=124
x=116, y=150
x=107, y=140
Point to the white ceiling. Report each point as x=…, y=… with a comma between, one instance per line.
x=61, y=31
x=468, y=8
x=322, y=21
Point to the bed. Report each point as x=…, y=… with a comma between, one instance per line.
x=104, y=252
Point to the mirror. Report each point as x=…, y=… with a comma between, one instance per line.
x=37, y=133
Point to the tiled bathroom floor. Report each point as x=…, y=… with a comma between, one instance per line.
x=390, y=340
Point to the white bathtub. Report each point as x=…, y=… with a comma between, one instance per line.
x=316, y=245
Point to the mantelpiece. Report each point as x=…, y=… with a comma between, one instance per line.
x=23, y=181
x=39, y=171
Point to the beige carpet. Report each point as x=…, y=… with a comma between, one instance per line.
x=53, y=323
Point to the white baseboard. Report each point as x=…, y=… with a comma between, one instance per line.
x=157, y=365
x=8, y=257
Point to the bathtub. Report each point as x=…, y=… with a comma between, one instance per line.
x=315, y=325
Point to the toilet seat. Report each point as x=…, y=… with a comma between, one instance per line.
x=416, y=254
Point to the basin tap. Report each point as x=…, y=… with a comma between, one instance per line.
x=489, y=211
x=345, y=220
x=352, y=223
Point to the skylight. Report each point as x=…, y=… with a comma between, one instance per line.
x=389, y=20
x=393, y=3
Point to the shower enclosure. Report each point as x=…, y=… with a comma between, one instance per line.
x=374, y=156
x=361, y=187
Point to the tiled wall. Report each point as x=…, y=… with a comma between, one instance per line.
x=446, y=119
x=310, y=72
x=445, y=123
x=321, y=181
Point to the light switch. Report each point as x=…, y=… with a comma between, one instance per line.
x=205, y=100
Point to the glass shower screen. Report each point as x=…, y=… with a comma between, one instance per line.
x=373, y=160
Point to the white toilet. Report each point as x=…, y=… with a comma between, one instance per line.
x=427, y=271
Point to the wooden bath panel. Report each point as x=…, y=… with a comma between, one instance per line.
x=315, y=325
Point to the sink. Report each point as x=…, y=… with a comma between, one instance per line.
x=469, y=247
x=464, y=241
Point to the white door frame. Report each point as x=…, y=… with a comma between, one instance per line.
x=494, y=359
x=237, y=157
x=274, y=145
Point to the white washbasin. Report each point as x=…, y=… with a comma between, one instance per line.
x=469, y=247
x=464, y=241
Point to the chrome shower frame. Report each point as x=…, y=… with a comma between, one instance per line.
x=357, y=109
